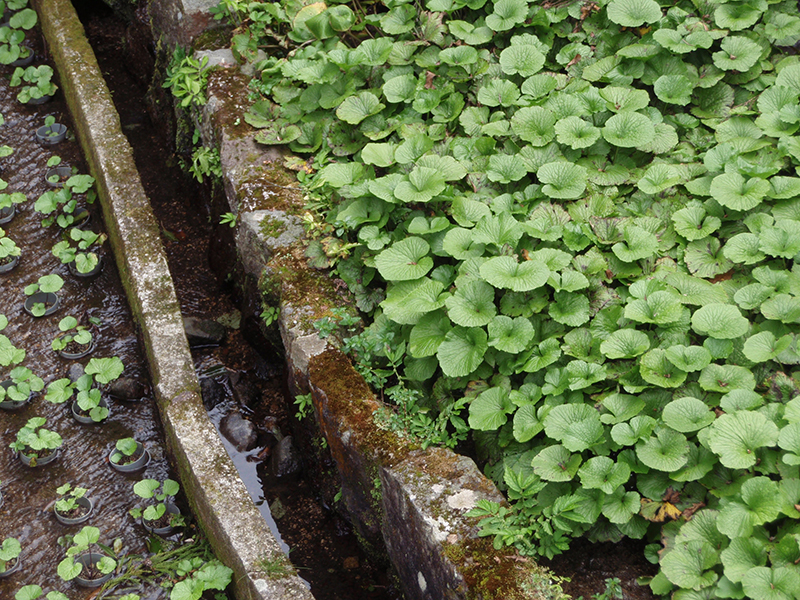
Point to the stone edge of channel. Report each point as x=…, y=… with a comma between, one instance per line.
x=218, y=497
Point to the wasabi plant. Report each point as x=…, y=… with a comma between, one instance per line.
x=36, y=442
x=88, y=398
x=34, y=592
x=9, y=553
x=74, y=338
x=47, y=284
x=23, y=383
x=125, y=451
x=35, y=82
x=8, y=248
x=8, y=200
x=80, y=247
x=157, y=513
x=9, y=354
x=575, y=227
x=86, y=541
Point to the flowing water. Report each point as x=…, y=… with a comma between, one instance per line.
x=29, y=493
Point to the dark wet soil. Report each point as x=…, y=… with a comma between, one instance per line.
x=322, y=545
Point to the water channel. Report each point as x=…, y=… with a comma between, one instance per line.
x=244, y=381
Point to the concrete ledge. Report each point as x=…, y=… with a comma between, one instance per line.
x=217, y=496
x=408, y=501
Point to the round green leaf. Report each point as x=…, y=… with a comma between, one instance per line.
x=405, y=260
x=521, y=59
x=720, y=321
x=472, y=305
x=625, y=343
x=658, y=178
x=462, y=351
x=601, y=472
x=562, y=180
x=689, y=565
x=505, y=168
x=555, y=463
x=667, y=451
x=763, y=346
x=357, y=108
x=687, y=414
x=744, y=248
x=534, y=124
x=526, y=423
x=428, y=334
x=459, y=55
x=692, y=223
x=735, y=192
x=723, y=378
x=505, y=272
x=576, y=426
x=570, y=308
x=633, y=13
x=639, y=243
x=737, y=53
x=507, y=14
x=629, y=129
x=782, y=307
x=766, y=583
x=510, y=335
x=735, y=437
x=659, y=308
x=688, y=358
x=576, y=133
x=674, y=89
x=657, y=370
x=489, y=411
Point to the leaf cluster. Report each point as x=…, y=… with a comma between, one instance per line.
x=582, y=224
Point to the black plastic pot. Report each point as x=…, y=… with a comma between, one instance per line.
x=84, y=502
x=24, y=62
x=139, y=463
x=11, y=404
x=40, y=462
x=7, y=213
x=62, y=172
x=90, y=558
x=86, y=419
x=9, y=266
x=49, y=299
x=48, y=135
x=89, y=348
x=38, y=101
x=74, y=270
x=172, y=509
x=13, y=569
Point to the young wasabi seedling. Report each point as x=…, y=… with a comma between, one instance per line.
x=47, y=284
x=74, y=338
x=83, y=542
x=9, y=553
x=34, y=592
x=67, y=503
x=157, y=513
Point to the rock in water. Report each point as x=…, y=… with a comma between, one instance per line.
x=285, y=459
x=203, y=332
x=239, y=431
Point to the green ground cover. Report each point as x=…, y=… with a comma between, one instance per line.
x=575, y=230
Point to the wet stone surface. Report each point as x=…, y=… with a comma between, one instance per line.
x=29, y=493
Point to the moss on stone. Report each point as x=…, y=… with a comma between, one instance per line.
x=271, y=227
